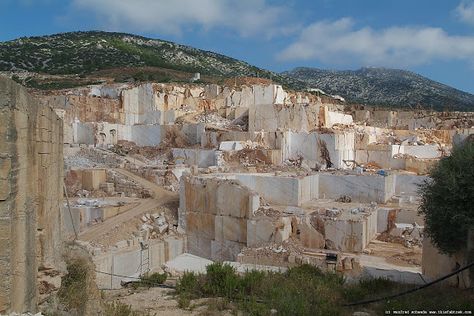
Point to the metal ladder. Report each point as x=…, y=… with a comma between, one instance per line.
x=144, y=258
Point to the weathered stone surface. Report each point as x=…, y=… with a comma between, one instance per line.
x=4, y=189
x=215, y=215
x=260, y=231
x=309, y=236
x=230, y=228
x=31, y=172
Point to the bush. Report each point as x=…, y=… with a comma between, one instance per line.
x=221, y=280
x=189, y=285
x=447, y=199
x=250, y=282
x=118, y=309
x=153, y=279
x=367, y=288
x=306, y=290
x=73, y=292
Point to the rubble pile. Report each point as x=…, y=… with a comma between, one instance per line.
x=408, y=235
x=126, y=187
x=87, y=158
x=215, y=121
x=174, y=138
x=154, y=226
x=145, y=154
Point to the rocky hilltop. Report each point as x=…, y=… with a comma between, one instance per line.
x=383, y=86
x=87, y=52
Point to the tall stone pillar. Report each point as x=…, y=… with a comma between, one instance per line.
x=31, y=171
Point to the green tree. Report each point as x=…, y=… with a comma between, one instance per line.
x=448, y=199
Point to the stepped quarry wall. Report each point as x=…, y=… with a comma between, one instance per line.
x=31, y=172
x=86, y=110
x=214, y=213
x=411, y=120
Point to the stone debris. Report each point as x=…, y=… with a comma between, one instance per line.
x=245, y=172
x=333, y=212
x=213, y=120
x=344, y=199
x=153, y=225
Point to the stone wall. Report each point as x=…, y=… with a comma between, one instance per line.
x=282, y=190
x=31, y=171
x=134, y=261
x=445, y=264
x=361, y=188
x=214, y=213
x=334, y=150
x=87, y=108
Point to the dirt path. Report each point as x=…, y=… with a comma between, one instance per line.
x=159, y=197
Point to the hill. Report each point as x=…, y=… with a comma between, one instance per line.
x=78, y=58
x=385, y=87
x=84, y=53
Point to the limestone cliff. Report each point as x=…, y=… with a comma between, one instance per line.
x=31, y=172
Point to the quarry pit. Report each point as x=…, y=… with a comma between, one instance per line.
x=171, y=177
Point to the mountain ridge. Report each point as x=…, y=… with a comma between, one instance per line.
x=87, y=51
x=385, y=86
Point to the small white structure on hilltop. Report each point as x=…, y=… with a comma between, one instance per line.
x=196, y=77
x=338, y=97
x=319, y=92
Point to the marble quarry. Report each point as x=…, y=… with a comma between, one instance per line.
x=262, y=175
x=247, y=174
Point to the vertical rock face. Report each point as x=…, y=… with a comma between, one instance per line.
x=31, y=171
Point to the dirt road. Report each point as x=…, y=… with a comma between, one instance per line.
x=159, y=197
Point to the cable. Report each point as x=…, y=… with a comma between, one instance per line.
x=411, y=290
x=69, y=208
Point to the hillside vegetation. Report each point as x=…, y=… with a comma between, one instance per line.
x=79, y=58
x=386, y=87
x=84, y=53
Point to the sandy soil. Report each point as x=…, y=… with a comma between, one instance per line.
x=396, y=253
x=159, y=302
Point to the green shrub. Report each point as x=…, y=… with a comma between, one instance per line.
x=184, y=300
x=367, y=288
x=221, y=280
x=73, y=292
x=306, y=290
x=250, y=282
x=189, y=285
x=153, y=279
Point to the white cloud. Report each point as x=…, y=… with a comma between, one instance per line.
x=340, y=42
x=465, y=11
x=246, y=17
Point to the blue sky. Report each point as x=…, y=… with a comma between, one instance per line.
x=432, y=37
